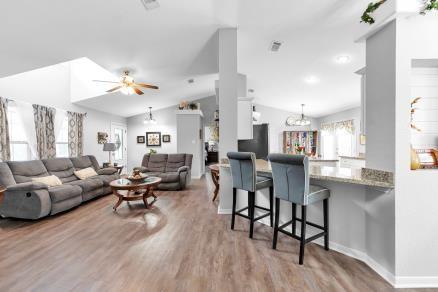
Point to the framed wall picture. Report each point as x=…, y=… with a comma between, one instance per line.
x=153, y=139
x=102, y=137
x=140, y=139
x=166, y=138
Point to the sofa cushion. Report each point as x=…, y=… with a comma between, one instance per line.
x=157, y=162
x=6, y=177
x=107, y=178
x=51, y=180
x=23, y=171
x=87, y=185
x=85, y=173
x=175, y=161
x=169, y=177
x=64, y=192
x=82, y=162
x=61, y=167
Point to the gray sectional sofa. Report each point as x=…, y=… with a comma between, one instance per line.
x=26, y=199
x=173, y=169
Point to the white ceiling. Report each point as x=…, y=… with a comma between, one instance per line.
x=173, y=43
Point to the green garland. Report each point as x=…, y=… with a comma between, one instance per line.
x=367, y=18
x=431, y=4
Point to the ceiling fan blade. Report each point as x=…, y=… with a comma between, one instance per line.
x=105, y=81
x=147, y=85
x=114, y=89
x=138, y=91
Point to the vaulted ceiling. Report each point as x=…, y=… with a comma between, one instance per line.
x=171, y=44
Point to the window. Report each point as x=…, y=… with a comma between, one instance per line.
x=338, y=139
x=20, y=149
x=62, y=140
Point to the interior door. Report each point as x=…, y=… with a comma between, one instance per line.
x=119, y=134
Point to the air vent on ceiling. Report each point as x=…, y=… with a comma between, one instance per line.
x=150, y=4
x=190, y=81
x=275, y=46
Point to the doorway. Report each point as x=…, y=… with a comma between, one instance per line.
x=119, y=134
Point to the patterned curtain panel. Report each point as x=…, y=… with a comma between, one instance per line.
x=75, y=134
x=343, y=125
x=5, y=150
x=45, y=131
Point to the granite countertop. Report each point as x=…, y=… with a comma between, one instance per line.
x=364, y=176
x=353, y=157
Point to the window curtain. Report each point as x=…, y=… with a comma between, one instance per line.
x=5, y=150
x=44, y=118
x=343, y=125
x=75, y=134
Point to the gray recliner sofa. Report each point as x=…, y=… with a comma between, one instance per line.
x=173, y=169
x=26, y=199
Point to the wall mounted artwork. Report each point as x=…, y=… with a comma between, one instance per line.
x=166, y=138
x=102, y=137
x=153, y=139
x=140, y=139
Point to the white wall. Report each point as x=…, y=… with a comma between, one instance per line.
x=50, y=86
x=166, y=124
x=380, y=125
x=350, y=114
x=416, y=198
x=276, y=119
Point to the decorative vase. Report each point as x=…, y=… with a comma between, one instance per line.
x=415, y=160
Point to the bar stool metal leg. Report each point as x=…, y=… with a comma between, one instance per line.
x=326, y=224
x=251, y=203
x=271, y=205
x=277, y=218
x=303, y=233
x=294, y=219
x=233, y=216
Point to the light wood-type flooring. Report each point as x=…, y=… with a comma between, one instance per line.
x=181, y=244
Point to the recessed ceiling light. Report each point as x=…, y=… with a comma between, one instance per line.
x=343, y=59
x=311, y=79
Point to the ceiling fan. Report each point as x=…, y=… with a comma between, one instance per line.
x=127, y=85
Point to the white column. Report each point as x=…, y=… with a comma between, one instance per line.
x=228, y=91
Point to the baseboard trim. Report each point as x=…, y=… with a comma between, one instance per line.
x=224, y=211
x=416, y=282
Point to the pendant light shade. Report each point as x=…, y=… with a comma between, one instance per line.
x=149, y=119
x=303, y=121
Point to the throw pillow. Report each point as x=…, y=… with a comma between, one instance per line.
x=51, y=181
x=85, y=173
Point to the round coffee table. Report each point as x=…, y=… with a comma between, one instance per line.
x=127, y=190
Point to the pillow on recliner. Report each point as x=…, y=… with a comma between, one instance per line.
x=51, y=180
x=85, y=173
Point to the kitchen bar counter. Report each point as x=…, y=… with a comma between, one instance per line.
x=357, y=198
x=366, y=177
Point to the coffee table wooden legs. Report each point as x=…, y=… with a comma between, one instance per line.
x=135, y=196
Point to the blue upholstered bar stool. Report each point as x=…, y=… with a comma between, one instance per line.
x=243, y=171
x=292, y=183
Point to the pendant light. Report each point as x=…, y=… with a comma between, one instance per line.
x=149, y=119
x=303, y=121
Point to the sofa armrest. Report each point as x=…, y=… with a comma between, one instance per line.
x=26, y=203
x=107, y=171
x=142, y=169
x=27, y=186
x=183, y=168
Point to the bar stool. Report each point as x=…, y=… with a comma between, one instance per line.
x=291, y=181
x=243, y=170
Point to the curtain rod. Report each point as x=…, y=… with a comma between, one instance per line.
x=13, y=100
